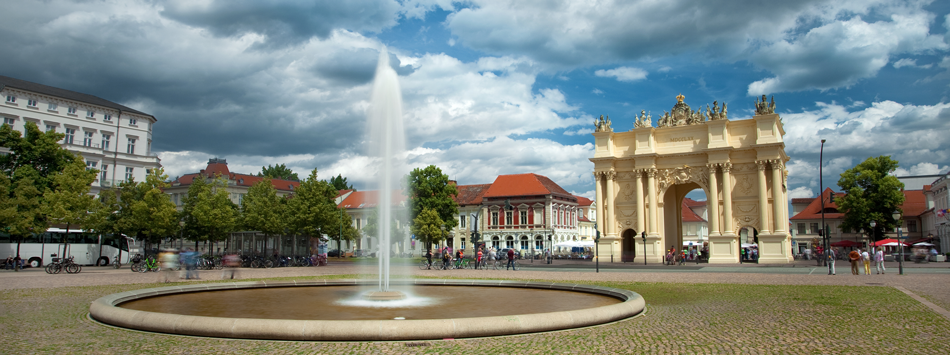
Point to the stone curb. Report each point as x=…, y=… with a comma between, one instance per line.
x=105, y=310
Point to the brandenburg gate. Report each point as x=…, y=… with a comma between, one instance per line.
x=643, y=175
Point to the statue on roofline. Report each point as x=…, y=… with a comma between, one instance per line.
x=763, y=107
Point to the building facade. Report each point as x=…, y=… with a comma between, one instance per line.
x=115, y=139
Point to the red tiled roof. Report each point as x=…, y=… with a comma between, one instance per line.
x=583, y=201
x=693, y=203
x=802, y=200
x=240, y=180
x=471, y=194
x=583, y=219
x=914, y=205
x=689, y=215
x=369, y=199
x=341, y=193
x=524, y=185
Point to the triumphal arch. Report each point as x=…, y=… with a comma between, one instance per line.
x=643, y=175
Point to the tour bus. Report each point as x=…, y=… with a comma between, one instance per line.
x=86, y=248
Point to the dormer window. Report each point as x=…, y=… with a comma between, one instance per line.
x=91, y=114
x=241, y=181
x=132, y=121
x=71, y=110
x=11, y=99
x=31, y=103
x=107, y=117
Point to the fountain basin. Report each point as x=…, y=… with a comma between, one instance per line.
x=107, y=309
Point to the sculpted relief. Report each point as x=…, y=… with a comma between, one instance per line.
x=685, y=174
x=683, y=115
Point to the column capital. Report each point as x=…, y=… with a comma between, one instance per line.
x=712, y=167
x=611, y=174
x=761, y=164
x=650, y=172
x=726, y=167
x=638, y=173
x=776, y=164
x=598, y=174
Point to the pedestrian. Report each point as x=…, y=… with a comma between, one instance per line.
x=458, y=258
x=231, y=263
x=831, y=261
x=854, y=256
x=511, y=259
x=446, y=259
x=867, y=261
x=169, y=261
x=699, y=255
x=429, y=259
x=478, y=259
x=682, y=257
x=879, y=261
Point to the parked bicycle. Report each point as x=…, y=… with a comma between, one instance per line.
x=115, y=262
x=60, y=264
x=146, y=264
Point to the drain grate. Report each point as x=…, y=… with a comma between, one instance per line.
x=418, y=344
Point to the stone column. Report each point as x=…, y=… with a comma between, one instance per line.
x=763, y=199
x=641, y=217
x=598, y=177
x=713, y=201
x=779, y=227
x=651, y=196
x=610, y=221
x=727, y=227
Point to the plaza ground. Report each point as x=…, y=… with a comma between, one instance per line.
x=746, y=308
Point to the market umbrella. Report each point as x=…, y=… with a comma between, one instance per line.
x=923, y=244
x=893, y=244
x=885, y=241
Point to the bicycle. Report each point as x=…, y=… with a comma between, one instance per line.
x=149, y=264
x=115, y=262
x=463, y=264
x=425, y=265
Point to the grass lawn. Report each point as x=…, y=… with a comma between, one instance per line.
x=680, y=318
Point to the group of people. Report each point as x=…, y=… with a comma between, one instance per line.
x=692, y=254
x=14, y=263
x=858, y=258
x=170, y=259
x=447, y=259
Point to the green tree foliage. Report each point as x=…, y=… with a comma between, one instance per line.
x=262, y=210
x=279, y=171
x=152, y=214
x=35, y=156
x=430, y=189
x=68, y=202
x=429, y=227
x=339, y=182
x=371, y=228
x=312, y=211
x=208, y=212
x=871, y=194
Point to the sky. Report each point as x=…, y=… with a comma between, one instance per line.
x=496, y=87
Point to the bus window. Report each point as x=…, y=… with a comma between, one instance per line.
x=31, y=238
x=6, y=238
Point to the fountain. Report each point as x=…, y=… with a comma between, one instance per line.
x=340, y=310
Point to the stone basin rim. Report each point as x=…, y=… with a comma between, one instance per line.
x=106, y=310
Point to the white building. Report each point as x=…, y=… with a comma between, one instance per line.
x=111, y=137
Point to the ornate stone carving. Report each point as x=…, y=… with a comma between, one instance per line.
x=682, y=175
x=744, y=184
x=714, y=114
x=726, y=167
x=627, y=192
x=764, y=108
x=682, y=114
x=644, y=120
x=761, y=164
x=611, y=175
x=602, y=124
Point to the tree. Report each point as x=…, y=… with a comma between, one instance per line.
x=340, y=183
x=262, y=210
x=429, y=188
x=871, y=194
x=429, y=227
x=22, y=212
x=68, y=202
x=208, y=212
x=312, y=210
x=152, y=213
x=279, y=171
x=371, y=228
x=38, y=150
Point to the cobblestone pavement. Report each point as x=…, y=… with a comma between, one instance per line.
x=689, y=311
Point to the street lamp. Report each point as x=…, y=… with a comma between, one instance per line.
x=866, y=243
x=597, y=250
x=900, y=262
x=643, y=235
x=821, y=193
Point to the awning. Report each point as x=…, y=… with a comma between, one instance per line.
x=846, y=244
x=915, y=241
x=884, y=242
x=923, y=244
x=747, y=245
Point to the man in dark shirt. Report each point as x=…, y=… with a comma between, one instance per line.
x=511, y=259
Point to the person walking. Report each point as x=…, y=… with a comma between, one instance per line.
x=478, y=259
x=429, y=259
x=854, y=256
x=867, y=261
x=879, y=261
x=831, y=261
x=511, y=259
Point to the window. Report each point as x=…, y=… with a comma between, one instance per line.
x=9, y=121
x=131, y=121
x=11, y=99
x=131, y=147
x=87, y=139
x=462, y=220
x=510, y=244
x=463, y=243
x=31, y=103
x=524, y=217
x=70, y=134
x=128, y=174
x=508, y=217
x=912, y=226
x=50, y=127
x=801, y=229
x=52, y=107
x=524, y=244
x=105, y=172
x=814, y=228
x=71, y=110
x=106, y=117
x=91, y=165
x=105, y=141
x=494, y=218
x=91, y=114
x=359, y=223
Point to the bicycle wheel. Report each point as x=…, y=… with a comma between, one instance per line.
x=136, y=267
x=424, y=265
x=268, y=264
x=73, y=269
x=116, y=265
x=58, y=268
x=49, y=268
x=515, y=266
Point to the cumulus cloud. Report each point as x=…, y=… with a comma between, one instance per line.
x=914, y=135
x=924, y=168
x=907, y=62
x=800, y=192
x=625, y=74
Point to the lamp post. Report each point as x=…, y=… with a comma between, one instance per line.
x=821, y=193
x=597, y=251
x=900, y=261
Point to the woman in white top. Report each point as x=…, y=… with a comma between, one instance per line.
x=879, y=261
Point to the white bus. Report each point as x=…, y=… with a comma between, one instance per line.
x=86, y=248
